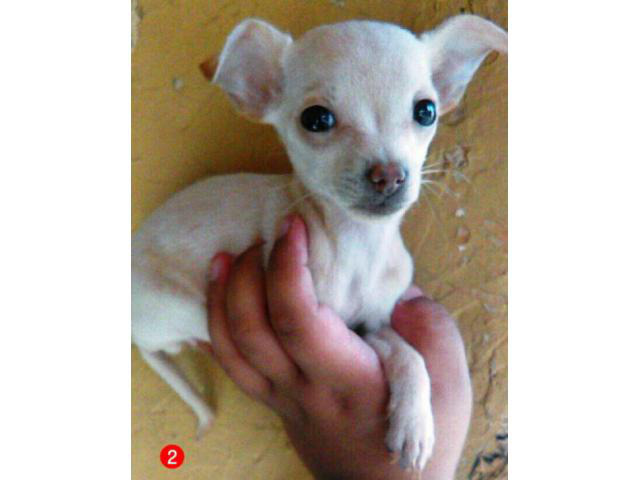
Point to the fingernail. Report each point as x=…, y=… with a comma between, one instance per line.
x=286, y=225
x=215, y=268
x=412, y=292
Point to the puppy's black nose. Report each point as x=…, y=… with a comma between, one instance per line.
x=386, y=178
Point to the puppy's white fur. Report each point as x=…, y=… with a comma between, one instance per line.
x=369, y=75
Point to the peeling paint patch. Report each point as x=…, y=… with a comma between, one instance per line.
x=463, y=234
x=458, y=157
x=177, y=83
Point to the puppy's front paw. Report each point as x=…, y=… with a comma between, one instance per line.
x=411, y=433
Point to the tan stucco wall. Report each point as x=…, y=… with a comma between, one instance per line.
x=184, y=129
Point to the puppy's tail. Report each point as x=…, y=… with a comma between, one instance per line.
x=164, y=366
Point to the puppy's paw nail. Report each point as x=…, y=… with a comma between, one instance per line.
x=411, y=436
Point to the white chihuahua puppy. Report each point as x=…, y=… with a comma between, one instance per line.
x=356, y=105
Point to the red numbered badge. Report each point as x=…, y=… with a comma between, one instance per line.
x=172, y=456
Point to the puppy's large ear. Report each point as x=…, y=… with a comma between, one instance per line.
x=250, y=67
x=457, y=48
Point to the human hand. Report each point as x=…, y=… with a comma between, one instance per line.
x=283, y=348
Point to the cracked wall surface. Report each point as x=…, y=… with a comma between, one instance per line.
x=184, y=129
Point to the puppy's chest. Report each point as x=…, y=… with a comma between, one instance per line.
x=361, y=288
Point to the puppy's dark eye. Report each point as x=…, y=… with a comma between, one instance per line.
x=317, y=119
x=424, y=112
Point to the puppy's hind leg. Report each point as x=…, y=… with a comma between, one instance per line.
x=162, y=364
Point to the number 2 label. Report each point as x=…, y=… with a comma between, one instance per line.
x=172, y=456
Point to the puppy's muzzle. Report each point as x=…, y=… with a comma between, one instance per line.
x=385, y=185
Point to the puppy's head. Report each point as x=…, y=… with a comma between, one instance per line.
x=357, y=103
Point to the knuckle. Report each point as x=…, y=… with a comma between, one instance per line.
x=345, y=401
x=243, y=328
x=285, y=301
x=244, y=316
x=286, y=326
x=322, y=403
x=251, y=346
x=227, y=361
x=289, y=409
x=254, y=389
x=260, y=392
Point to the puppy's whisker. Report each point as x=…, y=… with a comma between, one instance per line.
x=439, y=185
x=298, y=201
x=429, y=181
x=431, y=165
x=462, y=175
x=430, y=205
x=431, y=190
x=443, y=188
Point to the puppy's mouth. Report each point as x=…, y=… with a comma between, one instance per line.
x=370, y=197
x=380, y=207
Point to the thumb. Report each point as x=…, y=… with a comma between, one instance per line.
x=418, y=321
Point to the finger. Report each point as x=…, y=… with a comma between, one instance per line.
x=231, y=360
x=247, y=318
x=315, y=338
x=426, y=325
x=290, y=286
